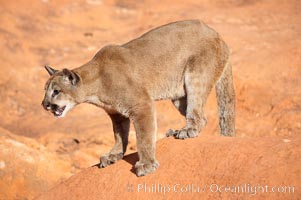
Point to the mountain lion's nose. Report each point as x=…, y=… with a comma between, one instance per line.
x=46, y=105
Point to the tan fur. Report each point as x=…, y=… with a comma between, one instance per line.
x=180, y=61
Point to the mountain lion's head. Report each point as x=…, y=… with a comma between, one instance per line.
x=60, y=91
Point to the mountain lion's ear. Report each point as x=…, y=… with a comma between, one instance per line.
x=71, y=76
x=50, y=70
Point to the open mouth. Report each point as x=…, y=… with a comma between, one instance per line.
x=59, y=111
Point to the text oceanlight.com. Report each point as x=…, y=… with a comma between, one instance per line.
x=213, y=188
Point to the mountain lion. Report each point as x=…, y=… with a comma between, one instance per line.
x=180, y=61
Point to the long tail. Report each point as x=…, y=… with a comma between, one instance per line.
x=226, y=102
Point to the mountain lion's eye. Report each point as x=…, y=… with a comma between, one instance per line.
x=55, y=92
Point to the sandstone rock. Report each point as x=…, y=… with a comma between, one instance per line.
x=27, y=168
x=200, y=168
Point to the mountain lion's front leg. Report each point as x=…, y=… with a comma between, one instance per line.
x=121, y=127
x=144, y=119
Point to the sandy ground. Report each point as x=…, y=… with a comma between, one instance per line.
x=259, y=174
x=264, y=37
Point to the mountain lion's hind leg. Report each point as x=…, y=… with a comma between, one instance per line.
x=197, y=93
x=121, y=127
x=181, y=105
x=198, y=83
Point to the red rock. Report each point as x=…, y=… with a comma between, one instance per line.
x=187, y=167
x=27, y=168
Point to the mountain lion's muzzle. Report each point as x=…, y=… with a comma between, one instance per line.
x=53, y=108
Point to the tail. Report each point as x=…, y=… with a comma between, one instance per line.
x=226, y=102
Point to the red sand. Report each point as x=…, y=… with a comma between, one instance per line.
x=195, y=169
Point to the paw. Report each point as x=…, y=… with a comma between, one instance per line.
x=183, y=133
x=109, y=159
x=143, y=169
x=171, y=132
